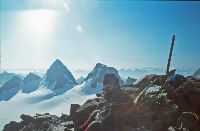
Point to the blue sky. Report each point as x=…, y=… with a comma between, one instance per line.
x=81, y=33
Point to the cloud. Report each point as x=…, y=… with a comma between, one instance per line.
x=66, y=7
x=79, y=28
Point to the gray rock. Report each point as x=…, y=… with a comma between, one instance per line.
x=29, y=127
x=12, y=126
x=27, y=119
x=43, y=118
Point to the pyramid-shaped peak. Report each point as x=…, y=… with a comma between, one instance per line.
x=58, y=66
x=57, y=62
x=58, y=75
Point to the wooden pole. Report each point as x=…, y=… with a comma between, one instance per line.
x=170, y=55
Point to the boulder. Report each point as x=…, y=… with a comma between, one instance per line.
x=27, y=119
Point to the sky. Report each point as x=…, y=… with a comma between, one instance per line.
x=121, y=34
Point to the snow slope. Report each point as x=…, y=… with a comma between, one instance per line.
x=39, y=102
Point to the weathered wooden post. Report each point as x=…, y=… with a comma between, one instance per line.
x=170, y=55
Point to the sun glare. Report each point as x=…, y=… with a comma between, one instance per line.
x=40, y=22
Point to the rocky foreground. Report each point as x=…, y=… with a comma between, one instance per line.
x=186, y=98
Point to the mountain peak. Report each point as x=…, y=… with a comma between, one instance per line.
x=98, y=73
x=57, y=63
x=99, y=65
x=13, y=83
x=31, y=77
x=31, y=83
x=4, y=72
x=59, y=75
x=10, y=88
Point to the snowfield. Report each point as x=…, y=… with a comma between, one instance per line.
x=41, y=101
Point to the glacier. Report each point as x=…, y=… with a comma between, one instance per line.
x=37, y=102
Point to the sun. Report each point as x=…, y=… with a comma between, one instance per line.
x=40, y=22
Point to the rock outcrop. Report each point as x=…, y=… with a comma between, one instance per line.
x=40, y=122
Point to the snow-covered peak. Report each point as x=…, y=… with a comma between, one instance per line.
x=31, y=77
x=57, y=63
x=14, y=82
x=96, y=77
x=99, y=65
x=57, y=76
x=100, y=70
x=10, y=88
x=31, y=83
x=5, y=76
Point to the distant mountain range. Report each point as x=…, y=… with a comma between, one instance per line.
x=138, y=73
x=54, y=91
x=5, y=76
x=57, y=80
